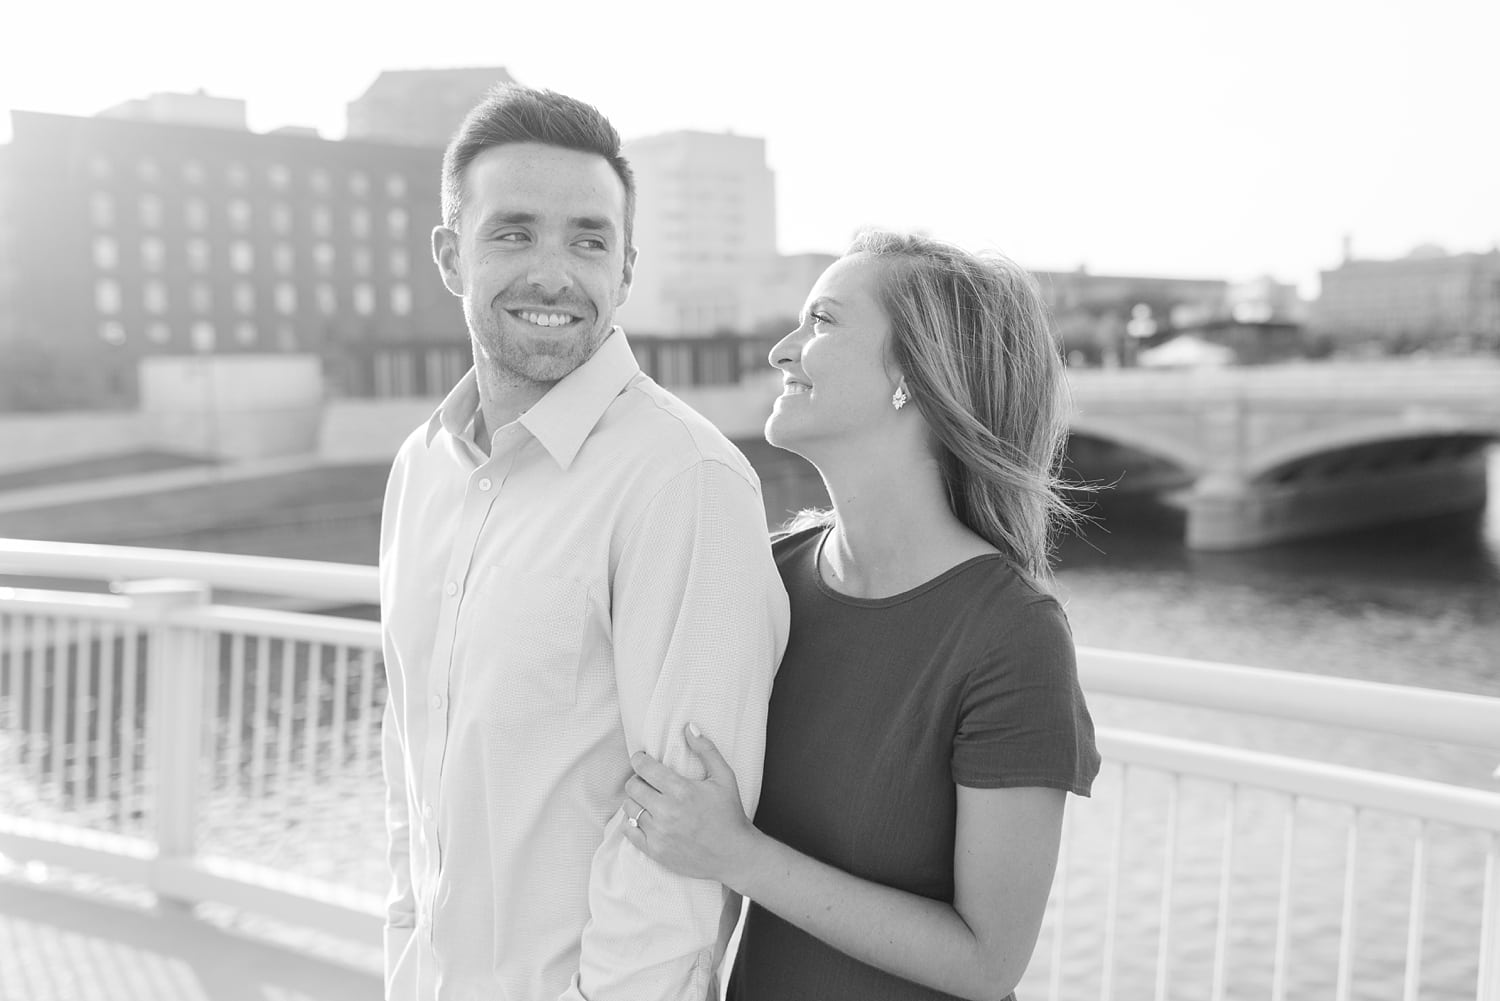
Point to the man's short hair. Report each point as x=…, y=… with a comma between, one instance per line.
x=514, y=114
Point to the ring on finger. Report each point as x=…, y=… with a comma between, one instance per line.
x=636, y=820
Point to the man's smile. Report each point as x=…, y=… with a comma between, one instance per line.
x=543, y=318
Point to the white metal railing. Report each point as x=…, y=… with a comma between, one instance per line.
x=229, y=753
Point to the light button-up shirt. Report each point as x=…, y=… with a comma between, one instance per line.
x=598, y=580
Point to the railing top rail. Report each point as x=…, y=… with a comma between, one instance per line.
x=339, y=582
x=230, y=619
x=1403, y=710
x=1300, y=777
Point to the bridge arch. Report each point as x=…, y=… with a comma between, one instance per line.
x=1373, y=445
x=1159, y=460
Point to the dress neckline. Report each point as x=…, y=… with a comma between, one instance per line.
x=854, y=601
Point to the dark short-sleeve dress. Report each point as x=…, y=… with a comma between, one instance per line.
x=881, y=708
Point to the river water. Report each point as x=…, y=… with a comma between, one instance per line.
x=1417, y=604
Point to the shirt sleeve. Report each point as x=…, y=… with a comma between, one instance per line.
x=699, y=624
x=400, y=904
x=400, y=913
x=1022, y=720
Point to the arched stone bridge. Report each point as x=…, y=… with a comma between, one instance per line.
x=1270, y=454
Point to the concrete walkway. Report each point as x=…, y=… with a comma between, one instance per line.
x=58, y=946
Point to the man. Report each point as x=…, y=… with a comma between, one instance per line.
x=574, y=567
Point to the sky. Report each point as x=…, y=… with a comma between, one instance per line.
x=1193, y=139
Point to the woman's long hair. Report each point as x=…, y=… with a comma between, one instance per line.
x=970, y=333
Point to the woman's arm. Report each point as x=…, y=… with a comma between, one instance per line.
x=1005, y=851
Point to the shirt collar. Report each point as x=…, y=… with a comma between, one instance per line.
x=563, y=418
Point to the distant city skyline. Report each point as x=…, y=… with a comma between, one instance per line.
x=1161, y=138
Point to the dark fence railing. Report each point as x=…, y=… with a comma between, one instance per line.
x=380, y=371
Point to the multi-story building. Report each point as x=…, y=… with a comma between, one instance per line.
x=1427, y=299
x=121, y=238
x=420, y=107
x=705, y=227
x=1101, y=318
x=199, y=108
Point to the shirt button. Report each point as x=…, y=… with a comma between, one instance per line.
x=437, y=702
x=485, y=483
x=452, y=588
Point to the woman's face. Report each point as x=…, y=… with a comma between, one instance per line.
x=837, y=382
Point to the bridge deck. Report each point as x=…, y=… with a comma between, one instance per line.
x=61, y=946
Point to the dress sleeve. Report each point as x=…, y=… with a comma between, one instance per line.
x=1022, y=720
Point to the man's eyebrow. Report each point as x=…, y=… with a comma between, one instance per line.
x=509, y=218
x=592, y=222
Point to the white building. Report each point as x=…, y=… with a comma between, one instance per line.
x=705, y=226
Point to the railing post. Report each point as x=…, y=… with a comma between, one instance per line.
x=177, y=660
x=1489, y=925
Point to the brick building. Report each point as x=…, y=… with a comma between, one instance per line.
x=420, y=107
x=1428, y=299
x=125, y=237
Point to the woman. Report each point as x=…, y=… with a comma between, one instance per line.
x=926, y=722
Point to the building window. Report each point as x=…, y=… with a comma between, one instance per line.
x=100, y=167
x=286, y=337
x=361, y=261
x=153, y=253
x=400, y=263
x=201, y=297
x=192, y=171
x=395, y=185
x=158, y=333
x=112, y=332
x=400, y=299
x=198, y=254
x=107, y=296
x=279, y=176
x=202, y=335
x=106, y=253
x=102, y=209
x=147, y=170
x=244, y=297
x=318, y=178
x=281, y=217
x=396, y=221
x=282, y=258
x=322, y=220
x=244, y=332
x=286, y=298
x=328, y=299
x=359, y=222
x=237, y=175
x=154, y=296
x=359, y=184
x=241, y=257
x=364, y=299
x=323, y=256
x=239, y=214
x=195, y=213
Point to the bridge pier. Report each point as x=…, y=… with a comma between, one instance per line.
x=1225, y=512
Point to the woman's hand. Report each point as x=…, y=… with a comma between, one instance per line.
x=695, y=827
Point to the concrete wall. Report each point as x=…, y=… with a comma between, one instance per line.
x=233, y=407
x=32, y=440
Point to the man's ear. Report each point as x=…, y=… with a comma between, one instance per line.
x=623, y=292
x=445, y=254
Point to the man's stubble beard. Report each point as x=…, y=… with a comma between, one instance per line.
x=541, y=361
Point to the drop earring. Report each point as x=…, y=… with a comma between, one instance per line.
x=899, y=398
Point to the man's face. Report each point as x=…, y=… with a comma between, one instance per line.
x=540, y=258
